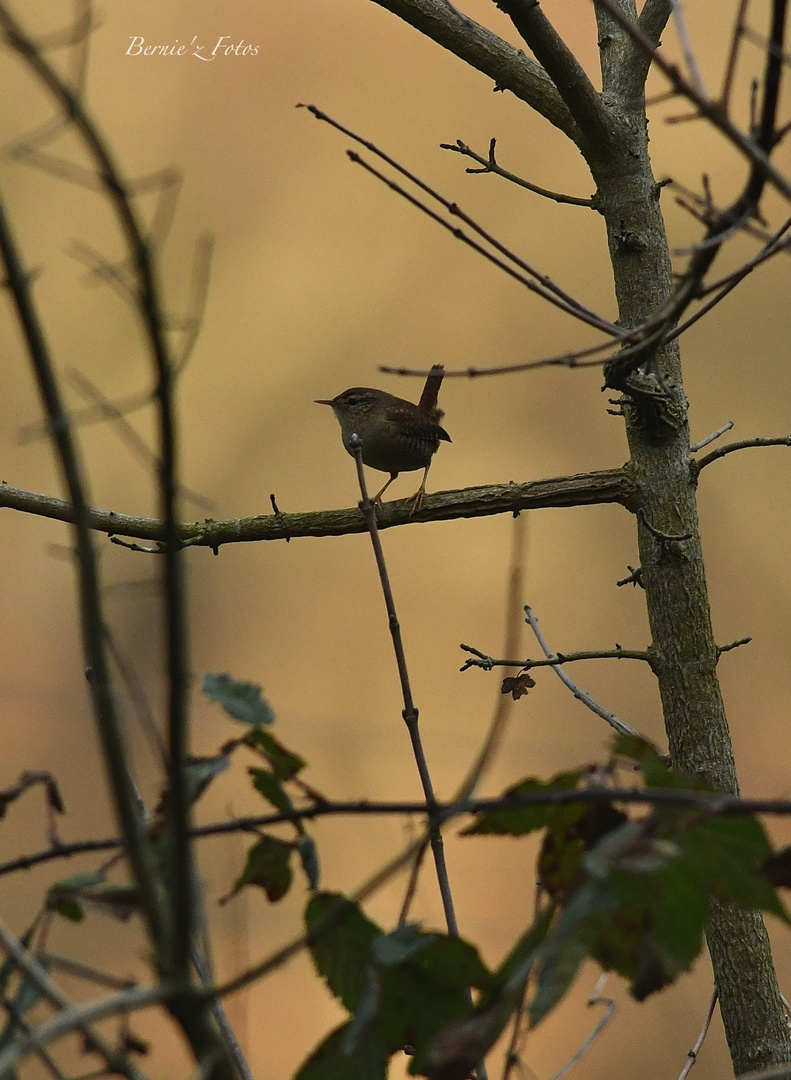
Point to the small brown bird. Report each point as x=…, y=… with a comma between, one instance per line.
x=396, y=435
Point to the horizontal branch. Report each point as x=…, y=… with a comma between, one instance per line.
x=743, y=444
x=489, y=662
x=582, y=489
x=711, y=801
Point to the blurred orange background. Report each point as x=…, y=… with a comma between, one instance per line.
x=319, y=275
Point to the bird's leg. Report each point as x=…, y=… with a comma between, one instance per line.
x=420, y=494
x=380, y=493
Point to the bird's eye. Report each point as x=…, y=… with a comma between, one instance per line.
x=353, y=399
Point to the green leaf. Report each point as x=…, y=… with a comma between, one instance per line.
x=268, y=866
x=69, y=908
x=268, y=785
x=241, y=700
x=64, y=896
x=526, y=819
x=341, y=941
x=725, y=854
x=285, y=764
x=77, y=882
x=329, y=1061
x=403, y=987
x=458, y=1046
x=201, y=771
x=399, y=945
x=654, y=768
x=564, y=950
x=428, y=990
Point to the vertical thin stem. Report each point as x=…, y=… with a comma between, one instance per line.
x=410, y=712
x=90, y=603
x=173, y=954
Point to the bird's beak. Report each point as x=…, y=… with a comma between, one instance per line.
x=322, y=401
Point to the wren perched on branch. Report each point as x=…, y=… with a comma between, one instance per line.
x=396, y=435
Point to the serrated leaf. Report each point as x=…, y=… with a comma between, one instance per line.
x=329, y=1062
x=285, y=763
x=341, y=943
x=427, y=991
x=726, y=854
x=526, y=819
x=308, y=853
x=399, y=945
x=268, y=866
x=241, y=700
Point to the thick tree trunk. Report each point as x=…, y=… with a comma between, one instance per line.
x=610, y=130
x=684, y=652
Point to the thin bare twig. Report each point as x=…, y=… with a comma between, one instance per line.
x=542, y=285
x=570, y=306
x=107, y=719
x=712, y=804
x=488, y=662
x=52, y=992
x=596, y=998
x=18, y=1020
x=491, y=165
x=581, y=695
x=220, y=1016
x=136, y=443
x=414, y=874
x=83, y=970
x=711, y=110
x=733, y=53
x=743, y=444
x=692, y=1056
x=687, y=50
x=512, y=636
x=512, y=1059
x=711, y=438
x=504, y=704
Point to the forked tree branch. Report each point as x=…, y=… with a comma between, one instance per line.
x=564, y=70
x=510, y=68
